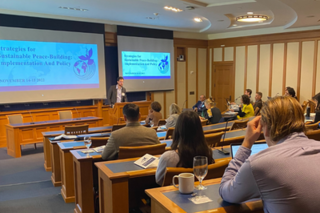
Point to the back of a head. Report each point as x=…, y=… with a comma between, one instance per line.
x=156, y=106
x=131, y=111
x=283, y=116
x=260, y=94
x=291, y=92
x=174, y=109
x=317, y=98
x=209, y=102
x=249, y=91
x=245, y=99
x=188, y=138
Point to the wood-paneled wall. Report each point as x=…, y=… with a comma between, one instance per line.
x=269, y=63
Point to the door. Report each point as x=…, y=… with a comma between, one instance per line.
x=223, y=84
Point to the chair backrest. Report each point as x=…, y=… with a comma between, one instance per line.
x=315, y=135
x=213, y=139
x=15, y=119
x=117, y=126
x=215, y=170
x=154, y=127
x=257, y=111
x=304, y=106
x=76, y=130
x=169, y=133
x=239, y=124
x=65, y=115
x=139, y=151
x=162, y=122
x=314, y=126
x=99, y=141
x=204, y=122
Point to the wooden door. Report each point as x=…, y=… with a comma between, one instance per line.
x=223, y=84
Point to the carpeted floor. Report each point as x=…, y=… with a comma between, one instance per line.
x=25, y=186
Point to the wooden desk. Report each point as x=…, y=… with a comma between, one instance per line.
x=121, y=182
x=168, y=199
x=56, y=158
x=46, y=143
x=217, y=127
x=27, y=133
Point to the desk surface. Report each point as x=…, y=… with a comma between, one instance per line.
x=171, y=200
x=161, y=134
x=93, y=129
x=54, y=121
x=217, y=126
x=235, y=134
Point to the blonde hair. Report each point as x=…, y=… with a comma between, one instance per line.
x=174, y=109
x=282, y=116
x=209, y=102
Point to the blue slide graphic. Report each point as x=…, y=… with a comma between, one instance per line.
x=145, y=65
x=32, y=65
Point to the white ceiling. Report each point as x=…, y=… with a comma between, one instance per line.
x=218, y=15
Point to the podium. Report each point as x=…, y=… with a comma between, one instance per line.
x=116, y=115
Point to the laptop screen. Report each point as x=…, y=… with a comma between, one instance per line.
x=257, y=147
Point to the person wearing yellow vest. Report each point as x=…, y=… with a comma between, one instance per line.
x=247, y=108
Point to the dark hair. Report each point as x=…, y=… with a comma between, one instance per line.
x=260, y=93
x=249, y=91
x=131, y=111
x=317, y=98
x=245, y=99
x=156, y=106
x=291, y=91
x=119, y=78
x=188, y=139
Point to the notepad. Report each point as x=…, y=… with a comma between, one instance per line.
x=65, y=137
x=99, y=149
x=147, y=161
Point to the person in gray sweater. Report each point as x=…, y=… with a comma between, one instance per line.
x=188, y=141
x=174, y=111
x=133, y=134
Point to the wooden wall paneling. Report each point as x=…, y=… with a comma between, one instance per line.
x=277, y=69
x=210, y=71
x=240, y=67
x=270, y=71
x=110, y=39
x=299, y=71
x=159, y=96
x=207, y=72
x=264, y=70
x=258, y=69
x=175, y=74
x=186, y=74
x=228, y=53
x=234, y=71
x=292, y=65
x=318, y=69
x=245, y=68
x=202, y=73
x=307, y=63
x=164, y=111
x=105, y=116
x=170, y=99
x=217, y=54
x=181, y=84
x=183, y=42
x=252, y=62
x=284, y=78
x=315, y=62
x=197, y=75
x=222, y=54
x=191, y=76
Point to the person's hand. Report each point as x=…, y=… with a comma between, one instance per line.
x=196, y=109
x=253, y=132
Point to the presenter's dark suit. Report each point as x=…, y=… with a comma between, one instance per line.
x=112, y=95
x=201, y=107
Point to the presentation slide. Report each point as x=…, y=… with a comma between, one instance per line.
x=30, y=65
x=145, y=65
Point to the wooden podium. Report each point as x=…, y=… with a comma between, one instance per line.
x=116, y=115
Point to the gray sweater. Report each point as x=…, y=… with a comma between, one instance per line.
x=167, y=159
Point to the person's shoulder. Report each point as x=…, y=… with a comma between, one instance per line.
x=171, y=154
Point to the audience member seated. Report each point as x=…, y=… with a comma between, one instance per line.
x=174, y=111
x=247, y=108
x=133, y=134
x=290, y=92
x=285, y=175
x=316, y=100
x=199, y=107
x=248, y=92
x=154, y=114
x=212, y=114
x=258, y=102
x=188, y=141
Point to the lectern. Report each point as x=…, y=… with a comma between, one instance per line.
x=116, y=115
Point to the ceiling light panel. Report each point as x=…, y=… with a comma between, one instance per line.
x=197, y=19
x=173, y=9
x=252, y=18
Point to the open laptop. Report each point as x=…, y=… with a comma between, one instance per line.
x=257, y=147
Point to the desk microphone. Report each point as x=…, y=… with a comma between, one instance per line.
x=31, y=117
x=225, y=131
x=78, y=118
x=237, y=98
x=184, y=103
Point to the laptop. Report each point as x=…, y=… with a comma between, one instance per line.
x=257, y=147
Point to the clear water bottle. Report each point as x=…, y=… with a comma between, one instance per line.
x=308, y=112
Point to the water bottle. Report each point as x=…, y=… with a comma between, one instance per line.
x=308, y=111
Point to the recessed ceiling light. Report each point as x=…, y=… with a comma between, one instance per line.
x=74, y=8
x=250, y=13
x=252, y=18
x=173, y=9
x=197, y=19
x=151, y=18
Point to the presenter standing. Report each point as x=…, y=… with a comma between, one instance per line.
x=117, y=93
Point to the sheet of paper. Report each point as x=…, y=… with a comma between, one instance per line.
x=200, y=199
x=147, y=161
x=99, y=149
x=87, y=151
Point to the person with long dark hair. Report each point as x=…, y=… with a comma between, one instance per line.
x=316, y=100
x=188, y=141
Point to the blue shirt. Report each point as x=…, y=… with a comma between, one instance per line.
x=285, y=176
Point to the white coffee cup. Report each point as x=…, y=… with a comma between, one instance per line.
x=186, y=182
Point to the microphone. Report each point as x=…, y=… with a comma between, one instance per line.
x=31, y=117
x=184, y=103
x=225, y=131
x=78, y=118
x=237, y=98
